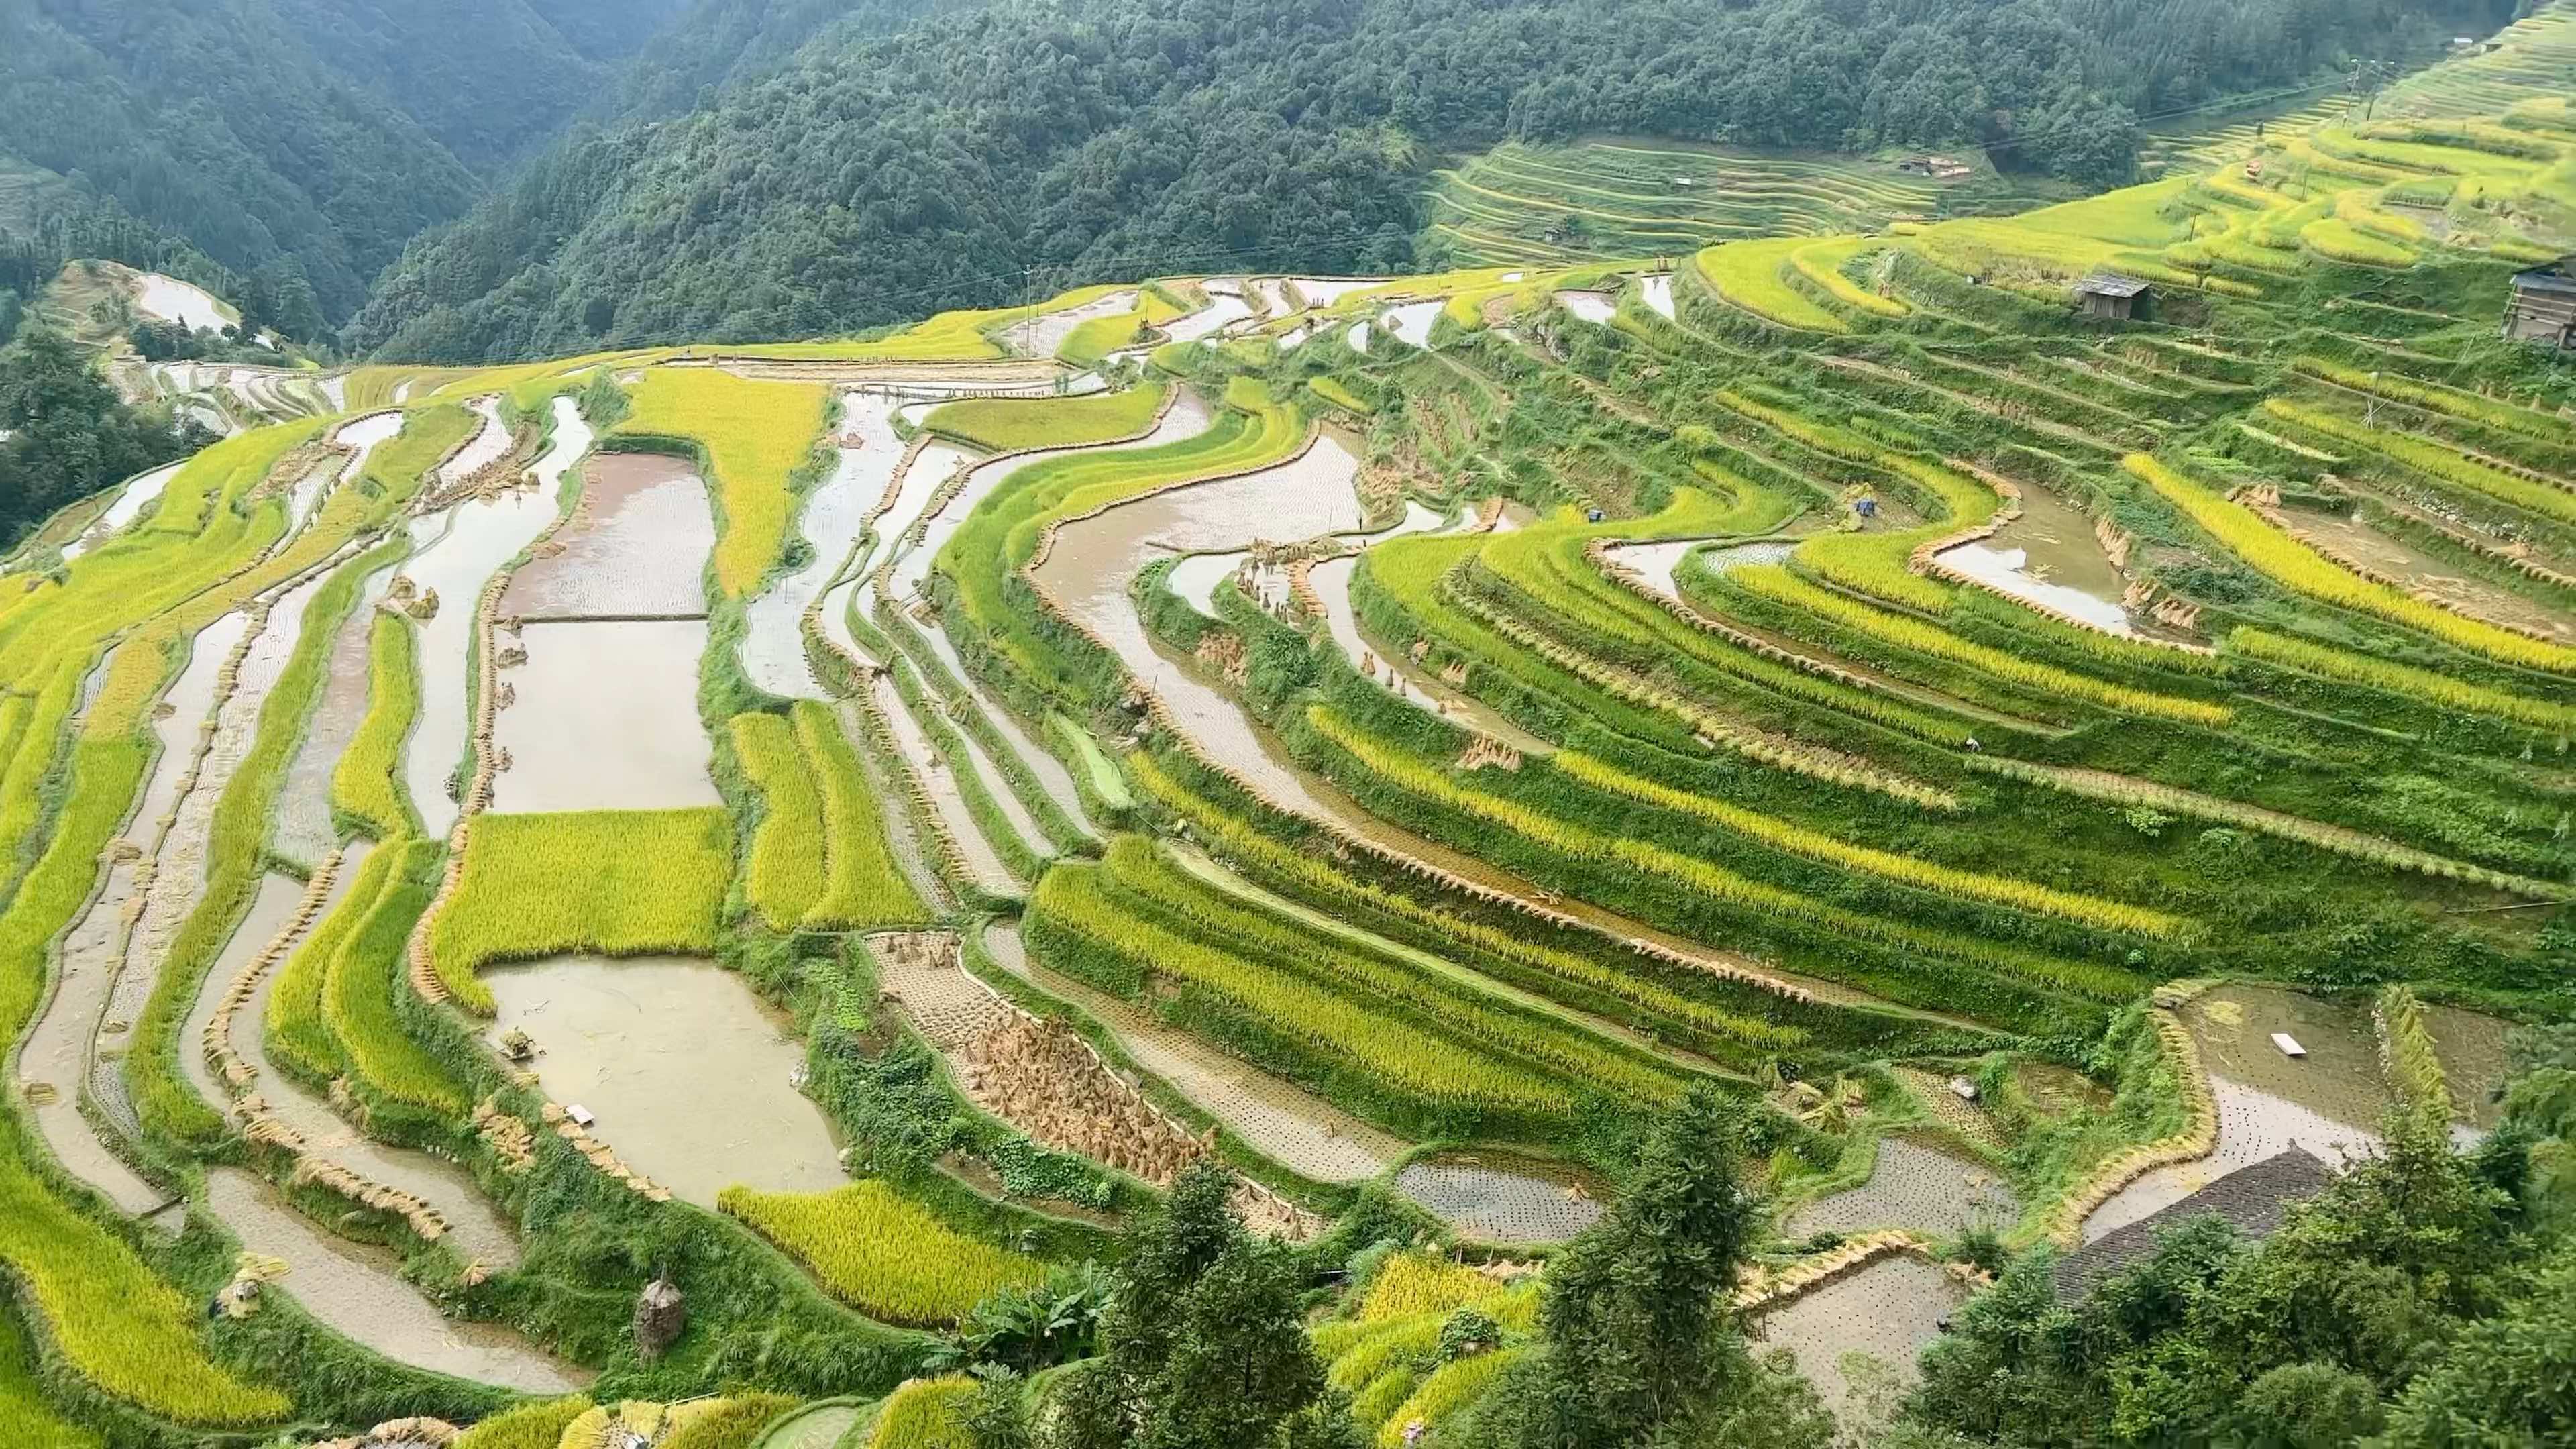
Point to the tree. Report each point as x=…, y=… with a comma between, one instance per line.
x=68, y=433
x=1205, y=1347
x=1638, y=1345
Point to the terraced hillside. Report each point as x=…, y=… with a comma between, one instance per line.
x=1550, y=206
x=823, y=841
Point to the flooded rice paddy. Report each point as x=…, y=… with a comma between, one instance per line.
x=1041, y=335
x=489, y=445
x=459, y=548
x=168, y=299
x=605, y=718
x=984, y=866
x=140, y=492
x=2049, y=556
x=1498, y=1198
x=1659, y=294
x=2329, y=1102
x=1411, y=323
x=638, y=549
x=358, y=1290
x=1913, y=1186
x=1223, y=310
x=692, y=1078
x=1597, y=307
x=1293, y=1127
x=1886, y=1312
x=834, y=515
x=305, y=831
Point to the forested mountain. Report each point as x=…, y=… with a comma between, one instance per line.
x=300, y=139
x=872, y=178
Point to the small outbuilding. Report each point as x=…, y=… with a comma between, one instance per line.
x=2543, y=307
x=2109, y=295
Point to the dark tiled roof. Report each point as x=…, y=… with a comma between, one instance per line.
x=2253, y=1199
x=2558, y=276
x=2105, y=284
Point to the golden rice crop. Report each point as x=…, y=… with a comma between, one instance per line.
x=1072, y=899
x=1822, y=263
x=366, y=782
x=2434, y=459
x=1244, y=843
x=1453, y=1387
x=359, y=985
x=1420, y=1282
x=1335, y=392
x=119, y=1326
x=528, y=1426
x=2303, y=570
x=1747, y=273
x=1005, y=424
x=1777, y=584
x=863, y=888
x=785, y=875
x=926, y=1414
x=880, y=1252
x=1903, y=869
x=2419, y=684
x=728, y=1423
x=395, y=467
x=298, y=1032
x=614, y=882
x=2437, y=398
x=37, y=1424
x=1414, y=777
x=754, y=435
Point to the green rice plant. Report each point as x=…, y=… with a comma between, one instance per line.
x=1094, y=338
x=1380, y=1396
x=1747, y=273
x=220, y=475
x=1822, y=263
x=785, y=876
x=1420, y=1282
x=1339, y=394
x=2303, y=570
x=33, y=1422
x=1324, y=883
x=117, y=1325
x=1904, y=869
x=1417, y=778
x=2438, y=461
x=299, y=1034
x=1454, y=1387
x=926, y=1414
x=1072, y=901
x=2414, y=1065
x=359, y=985
x=396, y=466
x=753, y=436
x=863, y=888
x=1009, y=425
x=1099, y=771
x=2439, y=690
x=529, y=1426
x=367, y=781
x=1777, y=584
x=2434, y=397
x=610, y=882
x=1457, y=1000
x=880, y=1252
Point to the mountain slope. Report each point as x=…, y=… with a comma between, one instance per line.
x=869, y=178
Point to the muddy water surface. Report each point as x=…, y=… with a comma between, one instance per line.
x=305, y=831
x=358, y=1290
x=1223, y=311
x=459, y=549
x=2051, y=557
x=691, y=1077
x=1411, y=323
x=773, y=643
x=139, y=493
x=1659, y=294
x=1888, y=1311
x=1590, y=306
x=1498, y=1198
x=488, y=445
x=2329, y=1102
x=641, y=550
x=605, y=718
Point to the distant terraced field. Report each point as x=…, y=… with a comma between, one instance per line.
x=1522, y=204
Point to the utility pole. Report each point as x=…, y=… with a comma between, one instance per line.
x=1028, y=308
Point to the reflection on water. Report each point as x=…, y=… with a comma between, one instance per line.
x=691, y=1078
x=2049, y=556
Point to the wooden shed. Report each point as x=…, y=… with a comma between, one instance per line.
x=2105, y=294
x=2543, y=308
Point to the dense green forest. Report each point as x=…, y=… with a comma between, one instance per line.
x=63, y=433
x=298, y=139
x=868, y=179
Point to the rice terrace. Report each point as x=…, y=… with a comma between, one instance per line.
x=1819, y=796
